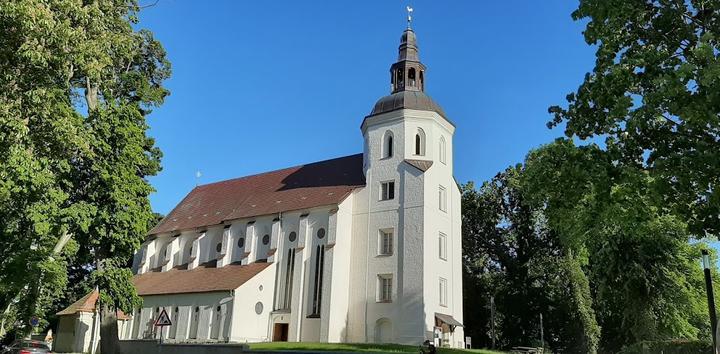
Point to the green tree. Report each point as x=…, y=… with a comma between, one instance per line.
x=645, y=280
x=77, y=83
x=653, y=96
x=510, y=253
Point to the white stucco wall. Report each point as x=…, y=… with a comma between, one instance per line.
x=247, y=325
x=185, y=304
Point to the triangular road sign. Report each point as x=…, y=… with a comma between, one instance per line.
x=163, y=320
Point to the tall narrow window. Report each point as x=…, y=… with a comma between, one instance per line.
x=442, y=149
x=411, y=77
x=194, y=323
x=443, y=292
x=384, y=288
x=442, y=246
x=420, y=143
x=387, y=148
x=387, y=190
x=317, y=288
x=385, y=244
x=442, y=196
x=173, y=320
x=289, y=275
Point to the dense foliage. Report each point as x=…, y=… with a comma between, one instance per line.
x=669, y=347
x=76, y=84
x=654, y=96
x=580, y=239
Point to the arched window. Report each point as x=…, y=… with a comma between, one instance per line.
x=420, y=143
x=383, y=331
x=411, y=77
x=422, y=80
x=441, y=150
x=387, y=148
x=399, y=79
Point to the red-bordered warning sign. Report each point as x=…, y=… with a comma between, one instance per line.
x=163, y=320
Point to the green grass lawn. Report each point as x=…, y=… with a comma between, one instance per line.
x=356, y=347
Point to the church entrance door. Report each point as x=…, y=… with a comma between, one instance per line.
x=280, y=332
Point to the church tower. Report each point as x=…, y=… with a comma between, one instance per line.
x=407, y=283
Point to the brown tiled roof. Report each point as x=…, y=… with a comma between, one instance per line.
x=199, y=280
x=295, y=188
x=87, y=304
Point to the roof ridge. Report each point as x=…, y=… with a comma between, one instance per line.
x=275, y=171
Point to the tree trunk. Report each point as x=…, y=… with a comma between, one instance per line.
x=108, y=331
x=91, y=95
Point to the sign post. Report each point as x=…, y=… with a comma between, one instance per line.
x=162, y=321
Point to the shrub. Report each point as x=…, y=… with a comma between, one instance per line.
x=669, y=347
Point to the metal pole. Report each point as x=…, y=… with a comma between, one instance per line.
x=492, y=320
x=710, y=298
x=542, y=335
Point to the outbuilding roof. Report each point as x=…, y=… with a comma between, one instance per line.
x=204, y=278
x=87, y=304
x=301, y=187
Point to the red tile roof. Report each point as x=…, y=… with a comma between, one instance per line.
x=199, y=280
x=87, y=304
x=317, y=184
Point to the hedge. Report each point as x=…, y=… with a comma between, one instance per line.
x=669, y=347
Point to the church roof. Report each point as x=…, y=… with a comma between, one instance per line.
x=301, y=187
x=204, y=278
x=407, y=100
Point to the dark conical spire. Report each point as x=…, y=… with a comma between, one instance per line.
x=408, y=74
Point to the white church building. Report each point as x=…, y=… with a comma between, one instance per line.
x=361, y=248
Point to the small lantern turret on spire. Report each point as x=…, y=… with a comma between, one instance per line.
x=408, y=74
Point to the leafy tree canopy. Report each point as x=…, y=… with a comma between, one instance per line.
x=76, y=84
x=654, y=95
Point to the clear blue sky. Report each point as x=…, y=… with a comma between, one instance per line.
x=262, y=85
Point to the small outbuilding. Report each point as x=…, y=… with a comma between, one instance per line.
x=79, y=326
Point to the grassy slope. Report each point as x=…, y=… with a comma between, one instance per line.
x=356, y=347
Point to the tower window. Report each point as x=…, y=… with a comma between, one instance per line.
x=420, y=143
x=387, y=190
x=241, y=242
x=422, y=80
x=293, y=236
x=443, y=292
x=266, y=239
x=442, y=246
x=411, y=77
x=385, y=288
x=400, y=82
x=387, y=148
x=385, y=244
x=442, y=195
x=442, y=149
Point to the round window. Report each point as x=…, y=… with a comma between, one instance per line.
x=197, y=309
x=176, y=309
x=218, y=247
x=321, y=233
x=217, y=309
x=241, y=242
x=293, y=236
x=266, y=239
x=258, y=307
